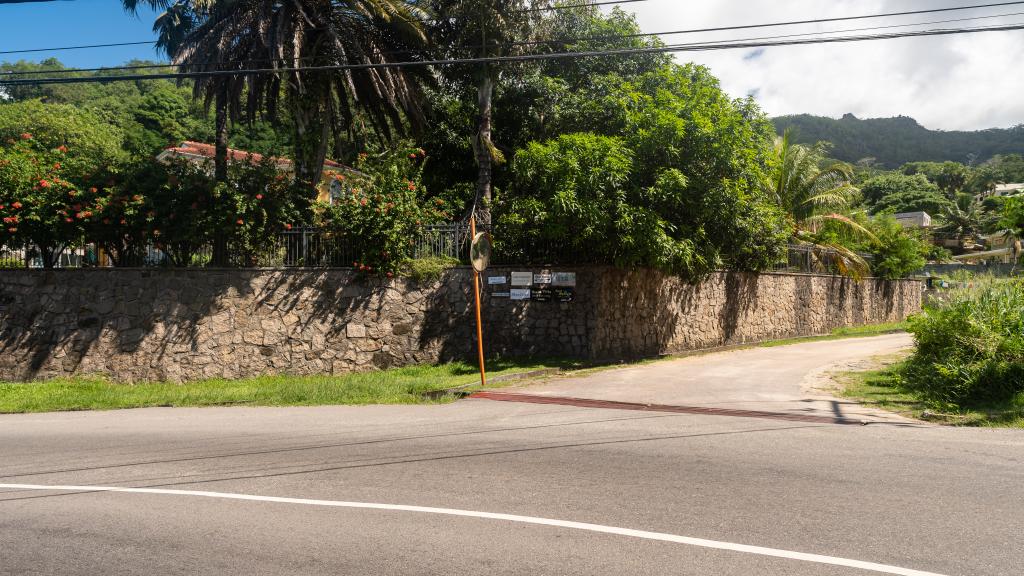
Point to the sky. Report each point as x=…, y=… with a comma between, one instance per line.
x=964, y=82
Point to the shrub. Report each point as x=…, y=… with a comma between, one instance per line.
x=899, y=251
x=970, y=351
x=37, y=204
x=379, y=215
x=427, y=270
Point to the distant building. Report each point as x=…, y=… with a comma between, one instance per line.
x=198, y=152
x=914, y=219
x=1011, y=189
x=1002, y=248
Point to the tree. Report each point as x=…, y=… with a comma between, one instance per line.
x=813, y=192
x=486, y=29
x=222, y=35
x=896, y=193
x=961, y=222
x=94, y=146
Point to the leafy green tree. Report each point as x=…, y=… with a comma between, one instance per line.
x=94, y=146
x=893, y=184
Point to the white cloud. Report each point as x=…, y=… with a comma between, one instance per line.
x=960, y=82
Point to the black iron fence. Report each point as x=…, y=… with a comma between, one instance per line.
x=295, y=248
x=317, y=248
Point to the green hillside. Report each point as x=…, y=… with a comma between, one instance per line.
x=893, y=142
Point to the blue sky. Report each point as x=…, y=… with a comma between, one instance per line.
x=49, y=24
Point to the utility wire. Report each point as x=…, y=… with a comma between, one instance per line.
x=522, y=58
x=564, y=40
x=621, y=36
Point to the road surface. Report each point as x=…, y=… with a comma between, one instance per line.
x=486, y=487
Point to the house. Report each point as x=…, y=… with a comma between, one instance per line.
x=1003, y=248
x=914, y=219
x=198, y=152
x=1011, y=189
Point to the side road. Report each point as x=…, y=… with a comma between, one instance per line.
x=783, y=379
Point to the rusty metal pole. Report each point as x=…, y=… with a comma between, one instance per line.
x=476, y=297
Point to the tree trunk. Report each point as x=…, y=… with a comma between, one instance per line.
x=484, y=157
x=220, y=160
x=312, y=130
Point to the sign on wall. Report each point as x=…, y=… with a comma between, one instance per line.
x=564, y=279
x=520, y=293
x=493, y=280
x=522, y=278
x=542, y=294
x=544, y=277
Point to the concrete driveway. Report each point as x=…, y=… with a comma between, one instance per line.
x=783, y=379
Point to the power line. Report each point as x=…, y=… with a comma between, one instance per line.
x=565, y=41
x=773, y=24
x=621, y=36
x=584, y=5
x=526, y=57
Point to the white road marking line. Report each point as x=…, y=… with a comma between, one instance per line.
x=661, y=536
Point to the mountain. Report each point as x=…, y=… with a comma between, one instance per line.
x=893, y=142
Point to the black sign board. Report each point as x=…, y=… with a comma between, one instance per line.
x=542, y=294
x=565, y=294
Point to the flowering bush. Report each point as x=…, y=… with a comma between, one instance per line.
x=379, y=215
x=37, y=204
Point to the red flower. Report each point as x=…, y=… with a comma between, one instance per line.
x=56, y=165
x=15, y=205
x=26, y=136
x=92, y=190
x=63, y=149
x=412, y=187
x=412, y=156
x=44, y=184
x=69, y=220
x=259, y=196
x=287, y=226
x=240, y=222
x=363, y=202
x=1, y=206
x=79, y=215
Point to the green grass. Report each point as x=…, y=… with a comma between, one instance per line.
x=408, y=385
x=883, y=389
x=848, y=332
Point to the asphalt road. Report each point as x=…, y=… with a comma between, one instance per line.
x=939, y=500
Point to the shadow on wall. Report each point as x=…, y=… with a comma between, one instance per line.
x=185, y=324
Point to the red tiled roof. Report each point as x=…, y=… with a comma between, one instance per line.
x=189, y=148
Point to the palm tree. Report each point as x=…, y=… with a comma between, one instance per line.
x=290, y=38
x=814, y=191
x=960, y=222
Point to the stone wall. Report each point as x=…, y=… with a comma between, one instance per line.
x=136, y=325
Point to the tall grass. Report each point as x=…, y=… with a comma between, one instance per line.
x=970, y=348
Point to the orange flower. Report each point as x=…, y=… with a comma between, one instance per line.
x=15, y=205
x=44, y=184
x=26, y=136
x=56, y=165
x=63, y=149
x=92, y=190
x=240, y=222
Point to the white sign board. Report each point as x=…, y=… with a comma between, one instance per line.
x=520, y=293
x=492, y=280
x=500, y=294
x=564, y=279
x=542, y=278
x=522, y=278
